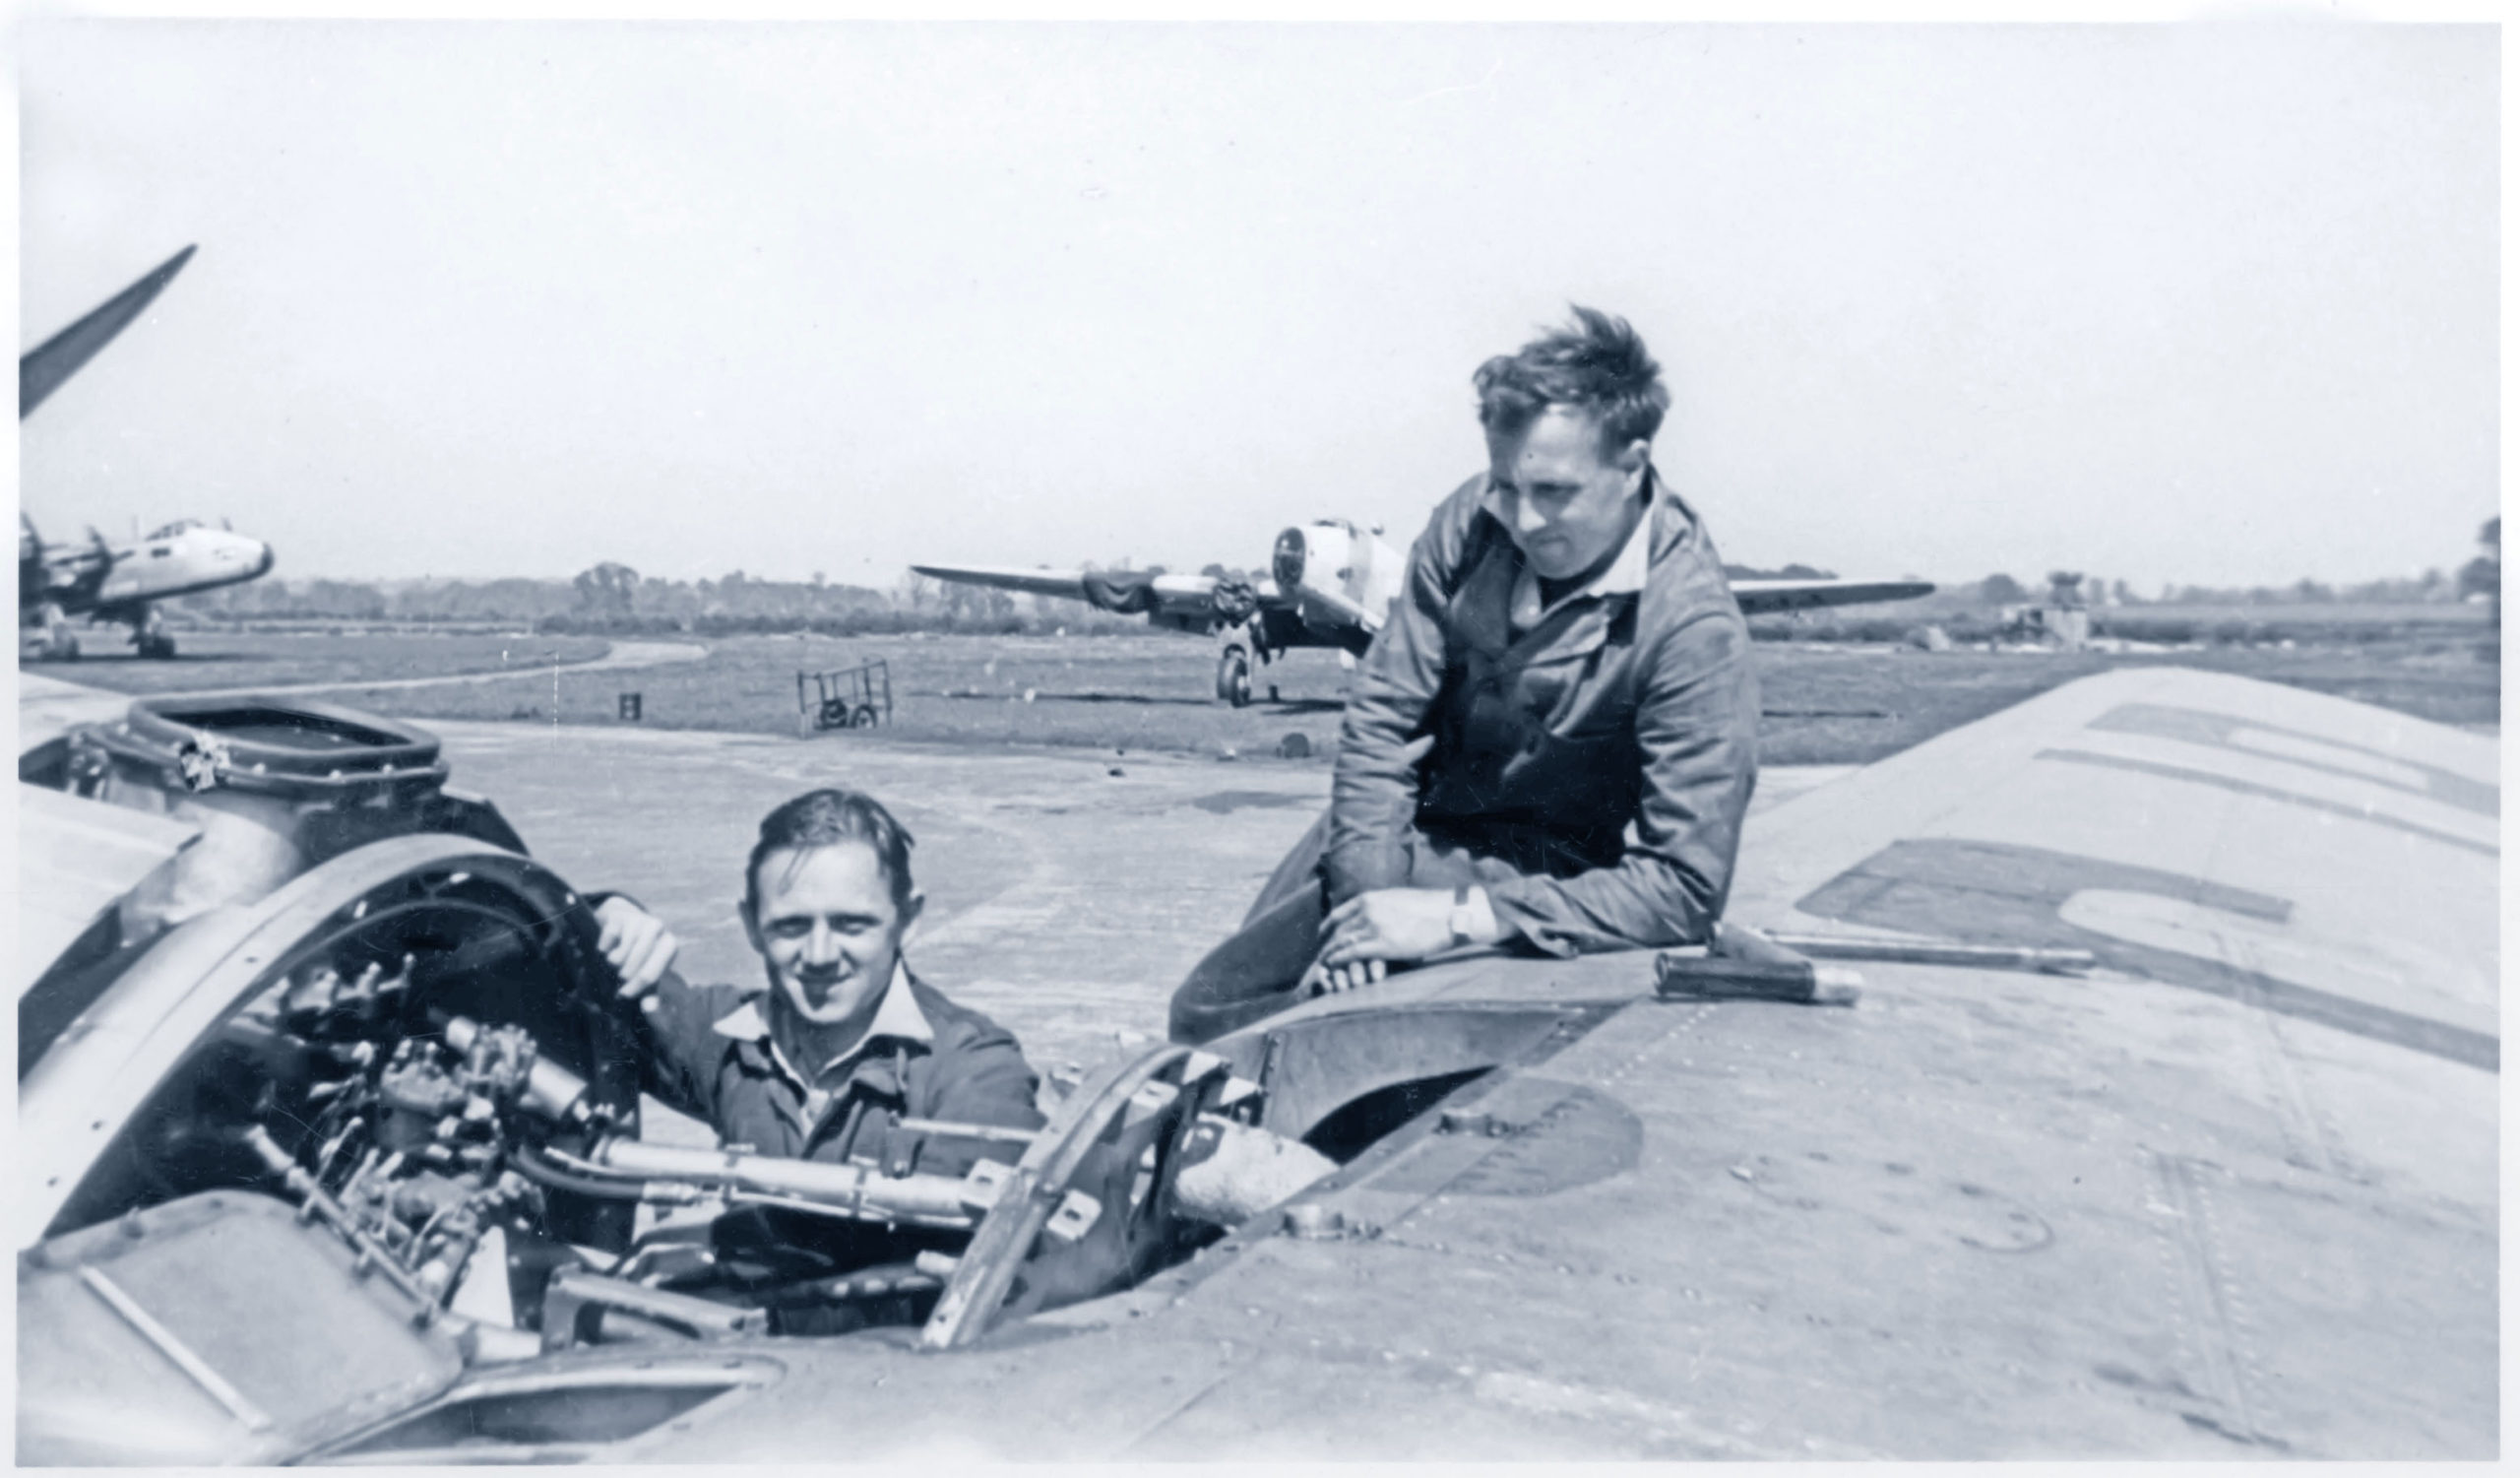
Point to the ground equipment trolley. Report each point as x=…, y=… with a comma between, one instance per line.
x=856, y=697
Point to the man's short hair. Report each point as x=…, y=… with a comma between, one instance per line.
x=1595, y=364
x=825, y=819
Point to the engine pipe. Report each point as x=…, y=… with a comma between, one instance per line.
x=541, y=1172
x=867, y=1194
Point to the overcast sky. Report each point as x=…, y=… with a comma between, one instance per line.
x=2208, y=304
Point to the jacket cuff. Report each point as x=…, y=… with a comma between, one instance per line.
x=1525, y=905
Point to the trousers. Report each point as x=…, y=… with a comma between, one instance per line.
x=1255, y=973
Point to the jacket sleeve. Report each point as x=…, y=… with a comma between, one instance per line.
x=683, y=1049
x=987, y=1082
x=1697, y=736
x=1373, y=790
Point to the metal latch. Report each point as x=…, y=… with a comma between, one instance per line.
x=985, y=1182
x=1074, y=1218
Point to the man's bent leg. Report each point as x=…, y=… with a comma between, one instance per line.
x=1299, y=872
x=1255, y=972
x=1250, y=975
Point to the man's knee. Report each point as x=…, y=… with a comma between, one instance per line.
x=1251, y=974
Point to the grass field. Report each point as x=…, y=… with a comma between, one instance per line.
x=1822, y=704
x=255, y=659
x=1854, y=706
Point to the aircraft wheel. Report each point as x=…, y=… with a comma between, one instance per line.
x=834, y=715
x=1234, y=678
x=863, y=718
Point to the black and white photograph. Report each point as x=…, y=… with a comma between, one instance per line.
x=811, y=739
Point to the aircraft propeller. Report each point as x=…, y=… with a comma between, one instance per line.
x=41, y=369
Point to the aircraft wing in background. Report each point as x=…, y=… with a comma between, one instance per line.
x=1330, y=584
x=1767, y=597
x=1184, y=602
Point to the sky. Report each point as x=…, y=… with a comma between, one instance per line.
x=2204, y=304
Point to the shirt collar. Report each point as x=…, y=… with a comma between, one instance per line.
x=896, y=1015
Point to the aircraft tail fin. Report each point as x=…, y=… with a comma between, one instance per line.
x=41, y=369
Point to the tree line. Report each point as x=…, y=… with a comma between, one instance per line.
x=613, y=598
x=610, y=596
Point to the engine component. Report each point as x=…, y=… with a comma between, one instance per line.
x=274, y=786
x=1286, y=560
x=1231, y=1171
x=437, y=1121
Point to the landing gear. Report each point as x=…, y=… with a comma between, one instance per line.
x=150, y=636
x=56, y=644
x=1233, y=677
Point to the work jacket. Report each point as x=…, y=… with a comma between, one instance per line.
x=922, y=1058
x=1602, y=750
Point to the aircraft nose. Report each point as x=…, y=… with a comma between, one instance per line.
x=262, y=558
x=1286, y=560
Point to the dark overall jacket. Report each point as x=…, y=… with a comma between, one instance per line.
x=1589, y=760
x=1604, y=756
x=922, y=1058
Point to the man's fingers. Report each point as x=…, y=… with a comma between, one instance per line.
x=1348, y=951
x=643, y=962
x=648, y=962
x=1351, y=976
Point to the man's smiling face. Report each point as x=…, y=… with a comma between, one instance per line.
x=828, y=929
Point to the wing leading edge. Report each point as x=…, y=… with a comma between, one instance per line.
x=1766, y=597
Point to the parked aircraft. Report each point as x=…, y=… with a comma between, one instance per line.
x=2228, y=1188
x=1330, y=584
x=95, y=580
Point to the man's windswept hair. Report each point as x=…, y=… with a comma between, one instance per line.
x=823, y=819
x=1595, y=364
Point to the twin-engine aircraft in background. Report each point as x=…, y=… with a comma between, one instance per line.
x=95, y=580
x=1330, y=585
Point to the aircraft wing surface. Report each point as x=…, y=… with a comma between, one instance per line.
x=1170, y=599
x=77, y=858
x=1069, y=584
x=1765, y=596
x=48, y=707
x=2232, y=1195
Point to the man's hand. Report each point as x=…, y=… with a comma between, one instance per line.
x=1394, y=924
x=637, y=945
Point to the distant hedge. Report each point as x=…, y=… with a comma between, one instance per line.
x=870, y=622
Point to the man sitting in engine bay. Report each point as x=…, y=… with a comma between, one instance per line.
x=843, y=1046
